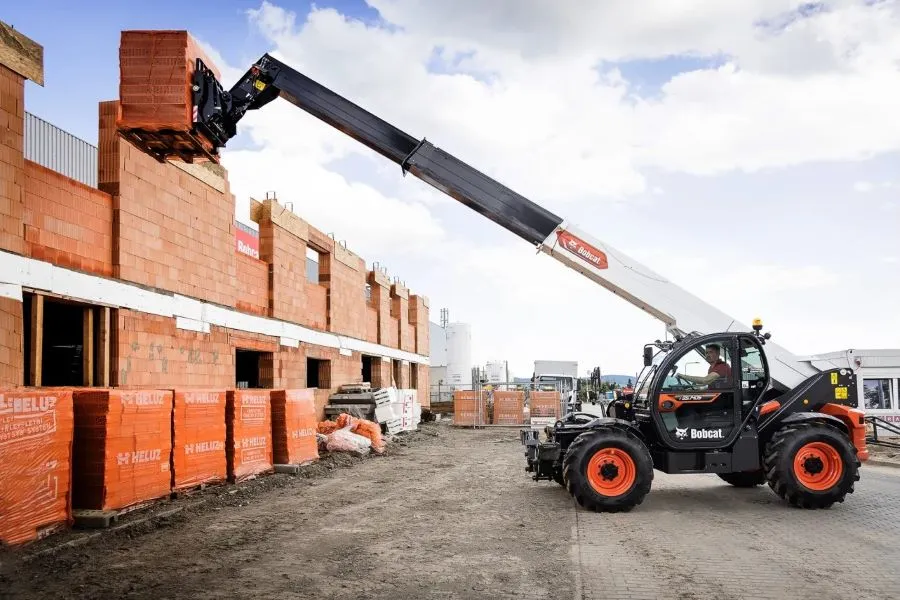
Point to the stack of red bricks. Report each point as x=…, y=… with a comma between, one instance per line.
x=123, y=447
x=248, y=433
x=509, y=408
x=200, y=435
x=545, y=404
x=155, y=71
x=36, y=432
x=468, y=410
x=294, y=426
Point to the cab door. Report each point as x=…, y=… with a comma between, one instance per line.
x=697, y=399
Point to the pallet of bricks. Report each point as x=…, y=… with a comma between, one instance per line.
x=508, y=407
x=87, y=456
x=544, y=407
x=470, y=409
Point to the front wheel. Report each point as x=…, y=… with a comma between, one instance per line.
x=811, y=465
x=608, y=470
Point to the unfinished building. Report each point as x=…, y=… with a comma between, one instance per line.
x=145, y=280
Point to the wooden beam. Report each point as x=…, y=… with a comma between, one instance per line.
x=87, y=347
x=37, y=340
x=103, y=343
x=21, y=54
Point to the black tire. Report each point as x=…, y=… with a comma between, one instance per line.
x=745, y=479
x=578, y=458
x=782, y=477
x=558, y=477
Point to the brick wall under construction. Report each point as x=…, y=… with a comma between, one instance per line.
x=171, y=228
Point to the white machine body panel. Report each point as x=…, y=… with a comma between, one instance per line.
x=681, y=311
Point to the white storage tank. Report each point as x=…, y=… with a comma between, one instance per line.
x=459, y=354
x=496, y=372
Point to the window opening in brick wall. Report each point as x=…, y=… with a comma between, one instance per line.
x=253, y=369
x=377, y=378
x=413, y=376
x=313, y=262
x=64, y=342
x=367, y=370
x=398, y=383
x=318, y=373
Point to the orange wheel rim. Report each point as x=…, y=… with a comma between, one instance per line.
x=818, y=466
x=611, y=472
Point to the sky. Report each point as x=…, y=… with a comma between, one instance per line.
x=748, y=152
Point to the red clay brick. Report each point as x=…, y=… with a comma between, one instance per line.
x=11, y=343
x=170, y=230
x=12, y=161
x=252, y=284
x=62, y=215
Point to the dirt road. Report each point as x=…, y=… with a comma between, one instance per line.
x=454, y=515
x=450, y=516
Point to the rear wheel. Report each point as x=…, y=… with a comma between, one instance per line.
x=811, y=465
x=744, y=479
x=608, y=470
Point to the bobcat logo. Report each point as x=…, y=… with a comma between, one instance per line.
x=681, y=433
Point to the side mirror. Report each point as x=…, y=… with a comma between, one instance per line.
x=648, y=356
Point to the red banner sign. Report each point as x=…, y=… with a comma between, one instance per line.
x=246, y=243
x=582, y=249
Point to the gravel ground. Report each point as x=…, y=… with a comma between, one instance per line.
x=451, y=513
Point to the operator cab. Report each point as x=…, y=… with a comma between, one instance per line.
x=699, y=391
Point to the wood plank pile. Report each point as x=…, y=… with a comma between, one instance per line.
x=395, y=410
x=358, y=400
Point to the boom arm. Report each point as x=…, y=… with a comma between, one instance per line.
x=682, y=312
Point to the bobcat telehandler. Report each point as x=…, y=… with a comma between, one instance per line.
x=766, y=417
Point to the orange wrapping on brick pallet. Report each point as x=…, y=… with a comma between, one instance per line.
x=36, y=429
x=545, y=404
x=199, y=445
x=248, y=418
x=509, y=408
x=294, y=426
x=123, y=447
x=465, y=409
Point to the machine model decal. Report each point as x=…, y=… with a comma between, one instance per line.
x=582, y=249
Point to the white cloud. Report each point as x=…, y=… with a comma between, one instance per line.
x=520, y=94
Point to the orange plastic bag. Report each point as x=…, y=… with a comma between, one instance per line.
x=326, y=427
x=371, y=430
x=345, y=419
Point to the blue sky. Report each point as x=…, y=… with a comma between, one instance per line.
x=759, y=172
x=81, y=41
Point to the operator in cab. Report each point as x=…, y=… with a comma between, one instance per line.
x=719, y=374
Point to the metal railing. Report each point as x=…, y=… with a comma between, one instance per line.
x=877, y=422
x=58, y=150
